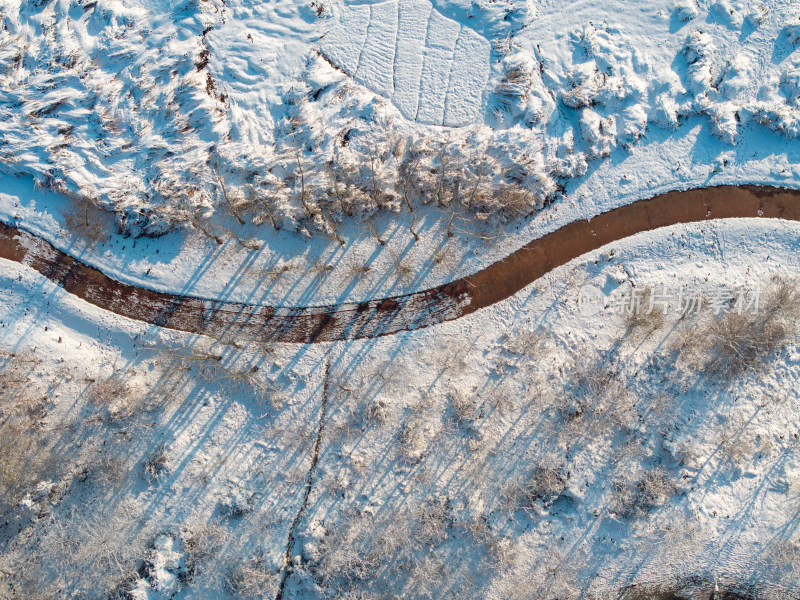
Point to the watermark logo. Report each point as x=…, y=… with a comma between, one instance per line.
x=682, y=300
x=591, y=301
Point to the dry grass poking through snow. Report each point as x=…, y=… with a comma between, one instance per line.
x=25, y=458
x=735, y=342
x=636, y=496
x=86, y=222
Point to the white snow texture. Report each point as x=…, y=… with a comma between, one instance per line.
x=434, y=70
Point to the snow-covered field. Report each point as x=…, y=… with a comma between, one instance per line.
x=166, y=464
x=306, y=153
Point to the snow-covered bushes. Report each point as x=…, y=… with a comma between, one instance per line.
x=250, y=578
x=729, y=13
x=686, y=10
x=736, y=78
x=632, y=124
x=792, y=29
x=790, y=84
x=665, y=111
x=609, y=79
x=779, y=117
x=584, y=81
x=756, y=15
x=699, y=50
x=600, y=133
x=724, y=117
x=510, y=96
x=112, y=103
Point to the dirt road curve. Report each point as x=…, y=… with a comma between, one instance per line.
x=390, y=315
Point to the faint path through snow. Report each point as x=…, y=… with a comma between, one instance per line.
x=386, y=316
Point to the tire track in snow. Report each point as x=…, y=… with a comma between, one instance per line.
x=387, y=316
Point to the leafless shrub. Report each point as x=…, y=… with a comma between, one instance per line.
x=635, y=498
x=271, y=274
x=642, y=318
x=431, y=520
x=516, y=202
x=524, y=343
x=84, y=220
x=402, y=268
x=236, y=367
x=366, y=413
x=94, y=552
x=24, y=461
x=244, y=378
x=356, y=270
x=251, y=578
x=501, y=553
x=513, y=88
x=571, y=409
x=593, y=380
x=500, y=398
x=235, y=200
x=361, y=549
x=553, y=575
x=546, y=483
x=102, y=470
x=596, y=401
x=107, y=391
x=416, y=435
x=115, y=398
x=736, y=446
x=156, y=464
x=466, y=405
x=370, y=227
x=201, y=544
x=354, y=549
x=445, y=257
x=318, y=268
x=221, y=234
x=739, y=341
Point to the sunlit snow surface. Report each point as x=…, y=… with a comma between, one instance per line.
x=432, y=68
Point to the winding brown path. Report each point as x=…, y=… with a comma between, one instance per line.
x=412, y=311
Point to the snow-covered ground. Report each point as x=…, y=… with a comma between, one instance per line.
x=526, y=451
x=176, y=470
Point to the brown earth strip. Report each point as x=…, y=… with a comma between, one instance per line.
x=387, y=316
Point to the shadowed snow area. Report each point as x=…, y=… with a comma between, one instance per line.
x=432, y=68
